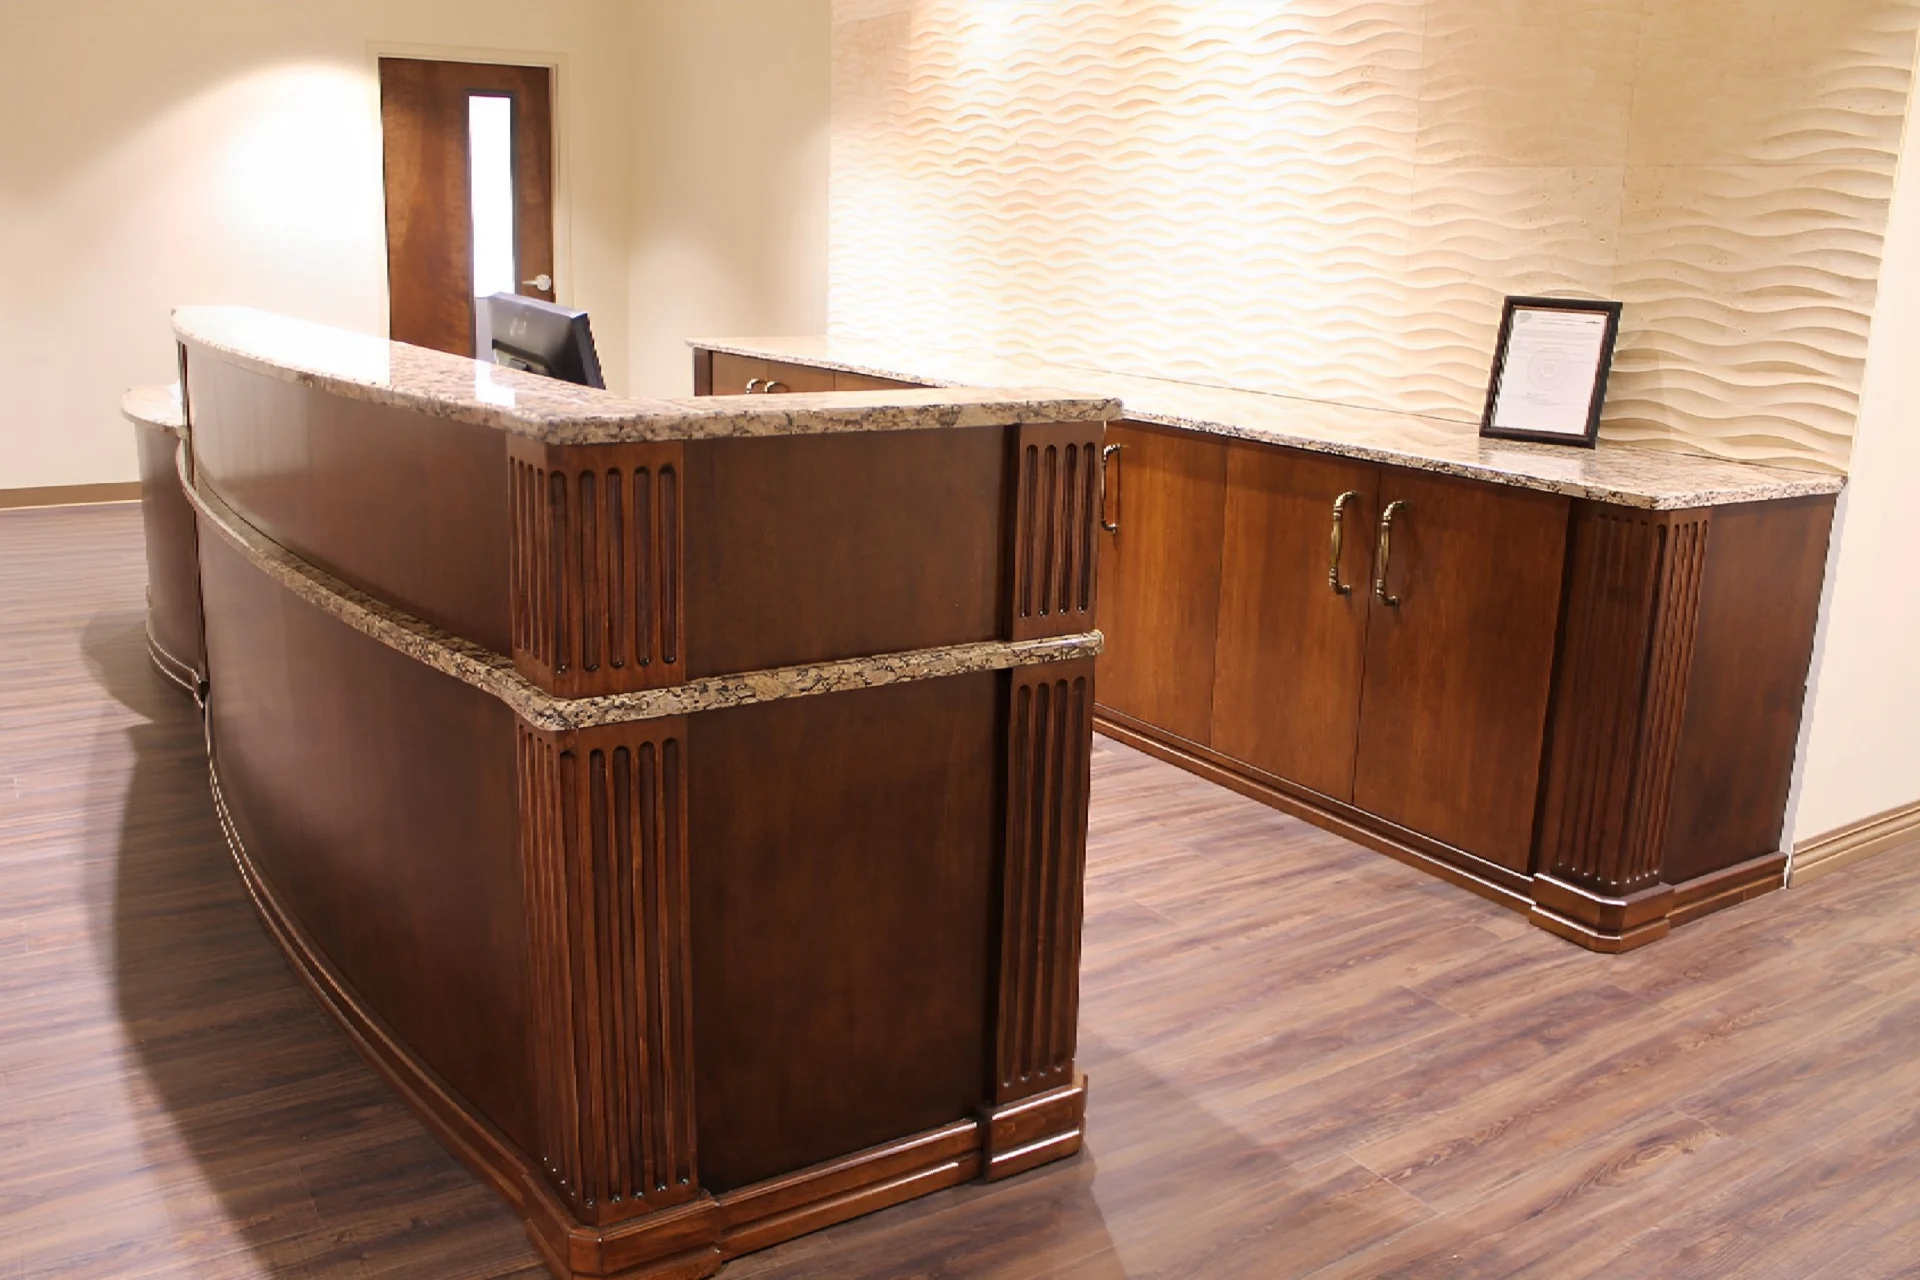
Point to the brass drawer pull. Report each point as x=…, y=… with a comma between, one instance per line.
x=775, y=386
x=753, y=385
x=1110, y=486
x=1339, y=535
x=1386, y=553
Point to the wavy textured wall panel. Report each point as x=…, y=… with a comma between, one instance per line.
x=1328, y=198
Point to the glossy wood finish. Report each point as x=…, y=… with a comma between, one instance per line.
x=1388, y=1076
x=426, y=527
x=1736, y=747
x=423, y=117
x=808, y=548
x=1056, y=523
x=1160, y=577
x=840, y=963
x=1291, y=651
x=598, y=566
x=1459, y=672
x=173, y=565
x=729, y=375
x=378, y=798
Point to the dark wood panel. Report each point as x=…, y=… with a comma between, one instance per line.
x=783, y=377
x=173, y=558
x=1759, y=602
x=1291, y=648
x=378, y=795
x=1454, y=708
x=843, y=852
x=603, y=831
x=1160, y=576
x=807, y=548
x=732, y=375
x=423, y=115
x=409, y=508
x=598, y=566
x=1626, y=653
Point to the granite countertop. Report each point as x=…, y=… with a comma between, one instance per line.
x=1624, y=474
x=368, y=368
x=155, y=407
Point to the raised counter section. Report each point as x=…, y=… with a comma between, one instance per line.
x=1621, y=474
x=356, y=366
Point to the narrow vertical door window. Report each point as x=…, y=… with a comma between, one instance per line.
x=490, y=179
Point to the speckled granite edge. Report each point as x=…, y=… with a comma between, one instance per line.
x=1631, y=475
x=155, y=407
x=494, y=673
x=360, y=367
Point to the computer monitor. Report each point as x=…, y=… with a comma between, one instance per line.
x=543, y=338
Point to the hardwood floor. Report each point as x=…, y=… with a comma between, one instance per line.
x=1306, y=1059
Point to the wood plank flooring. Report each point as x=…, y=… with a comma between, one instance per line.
x=1306, y=1059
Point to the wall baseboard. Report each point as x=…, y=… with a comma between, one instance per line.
x=70, y=495
x=1855, y=842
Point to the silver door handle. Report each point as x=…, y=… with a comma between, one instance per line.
x=543, y=282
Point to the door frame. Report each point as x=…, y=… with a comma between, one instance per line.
x=560, y=93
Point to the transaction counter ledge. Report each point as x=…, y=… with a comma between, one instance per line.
x=682, y=803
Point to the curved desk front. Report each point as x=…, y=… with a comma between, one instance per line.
x=683, y=804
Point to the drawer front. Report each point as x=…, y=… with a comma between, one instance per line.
x=783, y=378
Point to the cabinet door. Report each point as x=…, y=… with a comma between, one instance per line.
x=732, y=373
x=1454, y=706
x=1286, y=690
x=1160, y=577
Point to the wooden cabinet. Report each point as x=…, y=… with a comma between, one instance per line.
x=1459, y=667
x=1160, y=577
x=749, y=375
x=1584, y=710
x=1291, y=648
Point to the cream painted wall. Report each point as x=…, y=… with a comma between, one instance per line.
x=229, y=151
x=730, y=187
x=1862, y=744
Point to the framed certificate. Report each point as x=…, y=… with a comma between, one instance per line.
x=1550, y=370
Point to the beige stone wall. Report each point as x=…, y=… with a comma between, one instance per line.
x=1329, y=198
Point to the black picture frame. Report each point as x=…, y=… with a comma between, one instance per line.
x=1591, y=436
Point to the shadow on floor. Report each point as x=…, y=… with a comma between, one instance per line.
x=256, y=1096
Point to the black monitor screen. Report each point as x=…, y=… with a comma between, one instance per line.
x=543, y=338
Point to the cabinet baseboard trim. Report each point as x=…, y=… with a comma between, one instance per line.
x=1855, y=842
x=69, y=495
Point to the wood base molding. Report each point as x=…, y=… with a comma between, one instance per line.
x=172, y=667
x=69, y=495
x=1581, y=916
x=694, y=1238
x=1855, y=842
x=1026, y=1134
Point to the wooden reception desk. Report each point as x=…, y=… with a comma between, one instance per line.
x=682, y=803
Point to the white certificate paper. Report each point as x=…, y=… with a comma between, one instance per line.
x=1547, y=380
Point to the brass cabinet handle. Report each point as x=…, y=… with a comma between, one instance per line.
x=1339, y=535
x=775, y=386
x=1109, y=485
x=753, y=385
x=1386, y=552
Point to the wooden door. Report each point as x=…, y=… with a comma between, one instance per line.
x=1291, y=650
x=1454, y=704
x=423, y=115
x=1160, y=577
